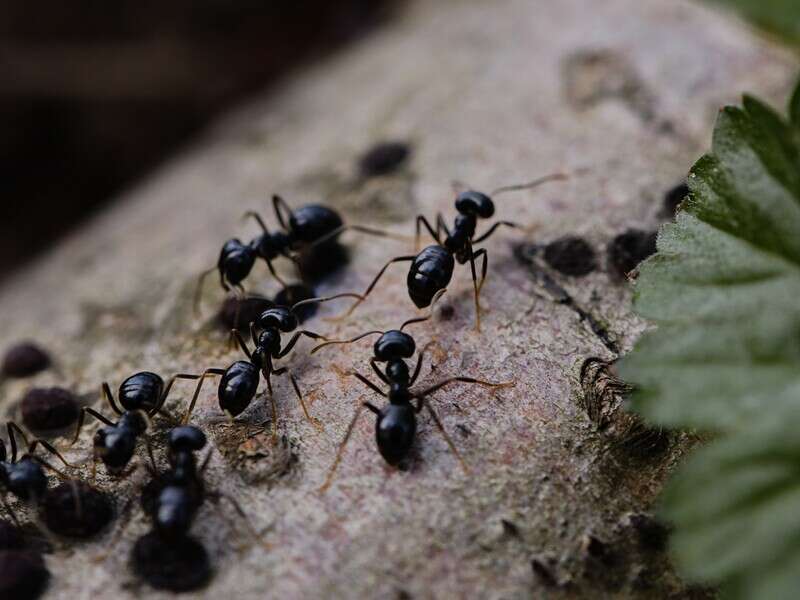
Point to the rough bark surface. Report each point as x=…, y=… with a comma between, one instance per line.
x=621, y=94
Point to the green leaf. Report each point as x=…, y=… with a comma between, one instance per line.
x=724, y=292
x=778, y=16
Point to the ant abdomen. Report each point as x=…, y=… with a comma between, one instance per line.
x=394, y=431
x=238, y=386
x=141, y=391
x=431, y=271
x=313, y=222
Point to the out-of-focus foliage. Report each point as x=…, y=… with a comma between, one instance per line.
x=778, y=16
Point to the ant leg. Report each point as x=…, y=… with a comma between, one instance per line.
x=378, y=372
x=441, y=225
x=211, y=371
x=274, y=273
x=277, y=204
x=242, y=344
x=447, y=438
x=493, y=228
x=421, y=220
x=475, y=284
x=216, y=496
x=170, y=383
x=372, y=285
x=295, y=337
x=106, y=391
x=150, y=454
x=47, y=446
x=368, y=383
x=10, y=428
x=198, y=290
x=61, y=475
x=340, y=451
x=442, y=384
x=286, y=371
x=435, y=299
x=418, y=368
x=251, y=214
x=90, y=411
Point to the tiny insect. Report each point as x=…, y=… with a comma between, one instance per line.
x=239, y=382
x=24, y=476
x=432, y=268
x=141, y=397
x=396, y=422
x=167, y=557
x=301, y=230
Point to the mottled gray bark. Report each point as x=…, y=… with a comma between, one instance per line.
x=621, y=94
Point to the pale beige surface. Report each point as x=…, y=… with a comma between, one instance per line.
x=620, y=92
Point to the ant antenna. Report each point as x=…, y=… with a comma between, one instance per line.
x=323, y=299
x=350, y=341
x=430, y=310
x=530, y=184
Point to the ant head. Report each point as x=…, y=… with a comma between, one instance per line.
x=236, y=261
x=394, y=344
x=186, y=438
x=270, y=245
x=114, y=446
x=475, y=203
x=280, y=317
x=133, y=420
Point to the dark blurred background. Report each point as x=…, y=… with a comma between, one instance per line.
x=93, y=94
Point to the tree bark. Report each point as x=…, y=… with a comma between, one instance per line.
x=620, y=94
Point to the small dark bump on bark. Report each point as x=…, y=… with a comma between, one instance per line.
x=249, y=310
x=47, y=409
x=570, y=255
x=651, y=534
x=25, y=359
x=179, y=565
x=23, y=574
x=77, y=510
x=673, y=199
x=628, y=249
x=383, y=158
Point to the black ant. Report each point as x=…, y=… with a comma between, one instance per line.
x=432, y=268
x=239, y=382
x=396, y=423
x=307, y=227
x=25, y=478
x=173, y=498
x=141, y=396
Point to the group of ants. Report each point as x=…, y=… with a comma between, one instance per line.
x=175, y=495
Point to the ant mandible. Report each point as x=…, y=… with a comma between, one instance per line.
x=302, y=229
x=432, y=268
x=141, y=396
x=396, y=423
x=239, y=382
x=25, y=478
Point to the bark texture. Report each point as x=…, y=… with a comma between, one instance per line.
x=621, y=94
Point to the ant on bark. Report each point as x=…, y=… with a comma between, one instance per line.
x=141, y=396
x=396, y=423
x=239, y=382
x=301, y=230
x=432, y=268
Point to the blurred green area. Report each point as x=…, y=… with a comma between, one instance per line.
x=781, y=17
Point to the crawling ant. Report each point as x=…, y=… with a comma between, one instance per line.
x=24, y=476
x=141, y=396
x=396, y=423
x=301, y=230
x=173, y=498
x=239, y=382
x=432, y=268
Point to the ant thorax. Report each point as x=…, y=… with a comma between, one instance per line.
x=270, y=245
x=397, y=372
